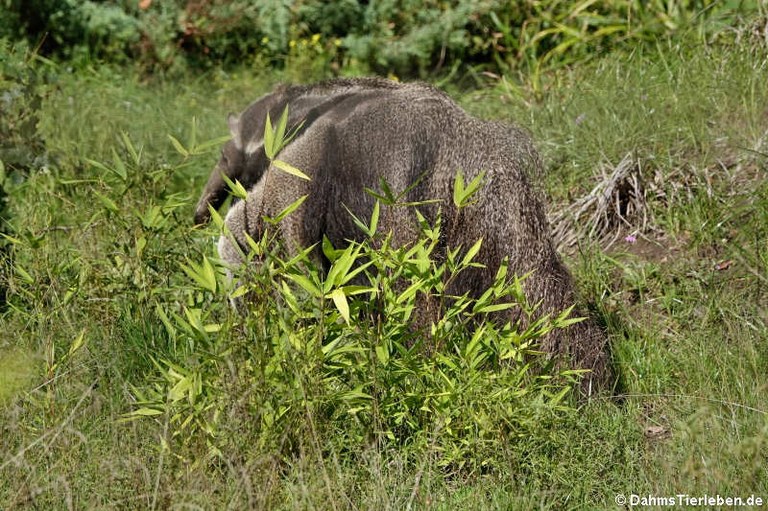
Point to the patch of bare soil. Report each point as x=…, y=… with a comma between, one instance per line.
x=657, y=250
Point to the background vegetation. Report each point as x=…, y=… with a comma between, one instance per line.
x=126, y=381
x=403, y=37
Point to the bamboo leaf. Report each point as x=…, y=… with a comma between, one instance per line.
x=169, y=327
x=288, y=210
x=144, y=412
x=236, y=188
x=210, y=144
x=101, y=166
x=135, y=155
x=382, y=354
x=410, y=292
x=474, y=186
x=76, y=344
x=290, y=169
x=495, y=307
x=374, y=219
x=269, y=138
x=178, y=146
x=107, y=202
x=21, y=272
x=11, y=239
x=306, y=284
x=203, y=274
x=458, y=188
x=472, y=252
x=331, y=253
x=359, y=223
x=237, y=293
x=340, y=299
x=119, y=168
x=358, y=290
x=338, y=272
x=280, y=130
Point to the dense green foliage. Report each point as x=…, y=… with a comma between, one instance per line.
x=127, y=380
x=403, y=37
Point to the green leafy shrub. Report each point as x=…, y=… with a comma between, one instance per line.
x=313, y=354
x=339, y=352
x=74, y=27
x=538, y=35
x=401, y=37
x=374, y=347
x=688, y=337
x=23, y=81
x=408, y=37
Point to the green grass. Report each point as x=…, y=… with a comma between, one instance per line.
x=689, y=340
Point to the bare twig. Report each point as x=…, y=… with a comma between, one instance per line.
x=617, y=203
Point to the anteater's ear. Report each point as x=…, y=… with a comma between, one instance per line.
x=234, y=128
x=253, y=147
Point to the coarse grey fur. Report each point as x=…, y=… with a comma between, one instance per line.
x=405, y=134
x=243, y=157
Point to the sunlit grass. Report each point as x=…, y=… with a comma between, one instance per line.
x=688, y=330
x=17, y=370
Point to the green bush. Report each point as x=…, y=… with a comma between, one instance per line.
x=403, y=37
x=96, y=260
x=355, y=349
x=24, y=81
x=71, y=27
x=312, y=355
x=23, y=85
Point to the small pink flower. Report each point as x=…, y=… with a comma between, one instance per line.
x=631, y=238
